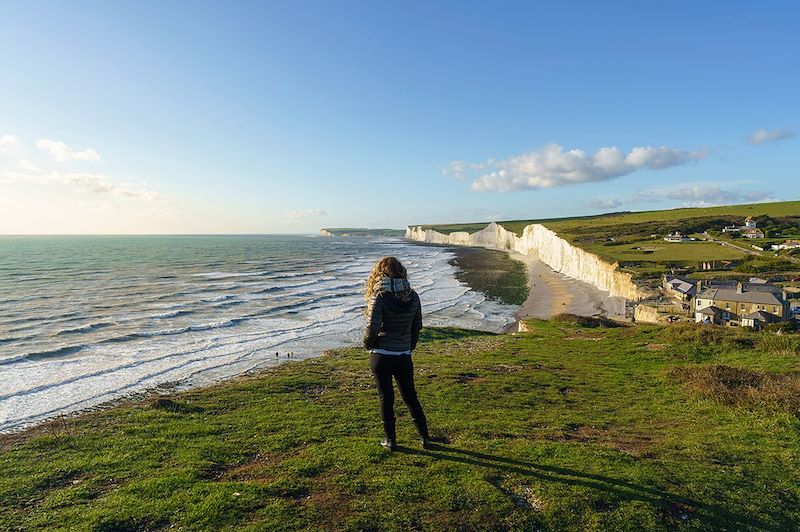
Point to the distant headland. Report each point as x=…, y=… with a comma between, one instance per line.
x=360, y=231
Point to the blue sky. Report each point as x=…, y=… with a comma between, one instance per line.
x=264, y=117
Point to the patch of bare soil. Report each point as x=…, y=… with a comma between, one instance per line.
x=634, y=444
x=505, y=368
x=469, y=378
x=260, y=468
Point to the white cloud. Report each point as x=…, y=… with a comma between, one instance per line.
x=62, y=153
x=551, y=166
x=8, y=142
x=762, y=135
x=305, y=213
x=461, y=169
x=602, y=203
x=96, y=183
x=703, y=195
x=27, y=166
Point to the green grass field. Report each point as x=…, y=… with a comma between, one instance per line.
x=658, y=250
x=363, y=231
x=631, y=428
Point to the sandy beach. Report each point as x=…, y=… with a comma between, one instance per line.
x=548, y=292
x=552, y=293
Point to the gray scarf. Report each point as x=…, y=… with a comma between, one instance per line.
x=401, y=288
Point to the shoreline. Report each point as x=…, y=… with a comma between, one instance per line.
x=549, y=293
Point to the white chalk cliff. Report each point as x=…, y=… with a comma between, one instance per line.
x=544, y=244
x=325, y=232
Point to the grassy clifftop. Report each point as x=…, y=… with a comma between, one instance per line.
x=627, y=238
x=567, y=426
x=363, y=231
x=574, y=226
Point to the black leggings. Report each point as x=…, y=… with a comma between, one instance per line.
x=401, y=367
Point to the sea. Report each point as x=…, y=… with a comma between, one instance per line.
x=89, y=319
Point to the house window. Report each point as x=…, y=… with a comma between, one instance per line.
x=727, y=306
x=726, y=315
x=775, y=310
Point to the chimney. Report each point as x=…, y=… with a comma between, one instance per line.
x=699, y=285
x=739, y=288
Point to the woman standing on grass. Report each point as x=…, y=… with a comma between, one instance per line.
x=394, y=320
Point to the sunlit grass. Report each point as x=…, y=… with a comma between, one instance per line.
x=564, y=427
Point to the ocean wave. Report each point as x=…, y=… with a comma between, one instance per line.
x=226, y=275
x=172, y=314
x=178, y=330
x=287, y=275
x=59, y=352
x=89, y=327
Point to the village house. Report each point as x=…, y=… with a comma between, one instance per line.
x=748, y=230
x=789, y=244
x=679, y=287
x=677, y=236
x=749, y=306
x=752, y=233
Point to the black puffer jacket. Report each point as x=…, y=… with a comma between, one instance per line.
x=393, y=324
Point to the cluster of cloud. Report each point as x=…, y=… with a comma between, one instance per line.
x=762, y=135
x=305, y=213
x=551, y=166
x=61, y=152
x=88, y=182
x=8, y=142
x=27, y=171
x=601, y=204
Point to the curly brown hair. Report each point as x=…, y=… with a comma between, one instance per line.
x=386, y=267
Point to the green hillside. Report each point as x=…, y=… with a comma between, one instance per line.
x=635, y=239
x=363, y=231
x=572, y=225
x=565, y=427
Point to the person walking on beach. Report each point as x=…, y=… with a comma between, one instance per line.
x=394, y=320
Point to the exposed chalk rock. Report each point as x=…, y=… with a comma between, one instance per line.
x=544, y=244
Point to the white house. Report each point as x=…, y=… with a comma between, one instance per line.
x=747, y=229
x=752, y=233
x=677, y=236
x=789, y=244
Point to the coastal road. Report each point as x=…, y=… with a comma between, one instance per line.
x=729, y=244
x=749, y=251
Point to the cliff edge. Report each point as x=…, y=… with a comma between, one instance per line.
x=544, y=244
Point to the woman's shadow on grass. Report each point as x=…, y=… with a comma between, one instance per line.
x=679, y=506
